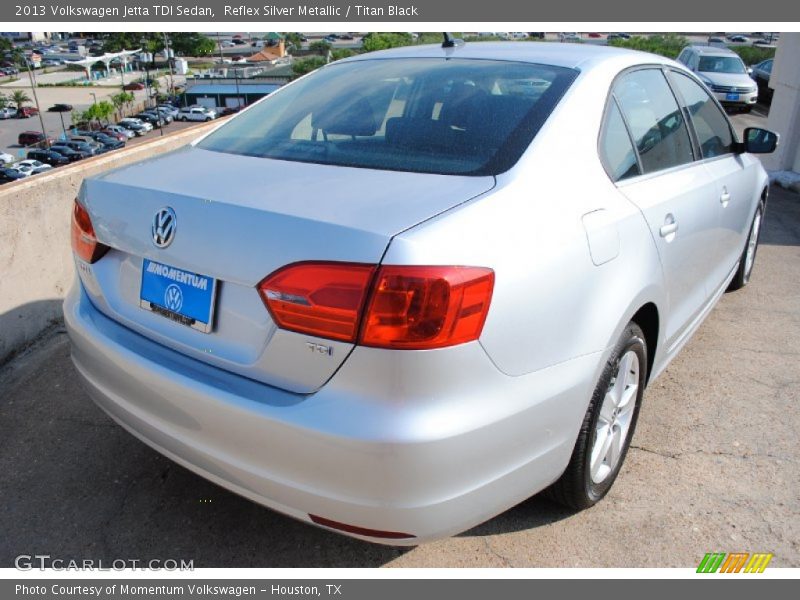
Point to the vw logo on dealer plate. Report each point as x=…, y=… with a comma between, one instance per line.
x=164, y=224
x=173, y=298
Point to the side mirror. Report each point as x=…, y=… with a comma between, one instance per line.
x=759, y=141
x=750, y=71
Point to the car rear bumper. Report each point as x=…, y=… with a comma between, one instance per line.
x=425, y=444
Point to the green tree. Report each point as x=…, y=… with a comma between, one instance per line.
x=294, y=42
x=130, y=40
x=11, y=52
x=103, y=111
x=381, y=41
x=321, y=46
x=19, y=97
x=3, y=101
x=120, y=100
x=191, y=44
x=306, y=65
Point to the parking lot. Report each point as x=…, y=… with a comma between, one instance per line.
x=713, y=466
x=79, y=98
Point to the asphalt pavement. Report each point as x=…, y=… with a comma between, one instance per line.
x=713, y=467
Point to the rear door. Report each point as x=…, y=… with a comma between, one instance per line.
x=673, y=192
x=735, y=177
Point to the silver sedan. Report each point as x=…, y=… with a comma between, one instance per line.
x=416, y=287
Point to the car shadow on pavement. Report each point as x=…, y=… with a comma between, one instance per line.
x=528, y=514
x=782, y=221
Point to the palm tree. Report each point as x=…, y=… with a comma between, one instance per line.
x=19, y=97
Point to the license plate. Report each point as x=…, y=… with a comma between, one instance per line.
x=182, y=296
x=731, y=96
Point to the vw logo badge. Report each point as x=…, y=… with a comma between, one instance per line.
x=164, y=224
x=173, y=298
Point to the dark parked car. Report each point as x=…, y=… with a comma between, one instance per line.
x=110, y=143
x=7, y=175
x=761, y=75
x=114, y=134
x=91, y=149
x=51, y=157
x=71, y=154
x=129, y=87
x=60, y=108
x=32, y=138
x=152, y=118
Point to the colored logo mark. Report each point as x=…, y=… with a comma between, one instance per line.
x=735, y=562
x=173, y=298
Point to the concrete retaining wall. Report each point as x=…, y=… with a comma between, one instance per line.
x=36, y=267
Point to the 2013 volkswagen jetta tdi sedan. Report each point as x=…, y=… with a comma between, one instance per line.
x=415, y=287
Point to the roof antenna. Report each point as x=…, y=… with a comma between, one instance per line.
x=450, y=41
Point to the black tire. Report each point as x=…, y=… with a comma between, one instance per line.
x=743, y=273
x=575, y=489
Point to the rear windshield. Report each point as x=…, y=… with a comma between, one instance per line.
x=721, y=64
x=447, y=116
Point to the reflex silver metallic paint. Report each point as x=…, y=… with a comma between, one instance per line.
x=428, y=442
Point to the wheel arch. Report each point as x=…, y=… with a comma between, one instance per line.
x=647, y=318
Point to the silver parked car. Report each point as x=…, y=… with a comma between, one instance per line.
x=724, y=72
x=416, y=287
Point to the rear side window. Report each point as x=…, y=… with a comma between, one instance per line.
x=655, y=120
x=711, y=125
x=448, y=116
x=616, y=148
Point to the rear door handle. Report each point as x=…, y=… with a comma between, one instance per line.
x=725, y=197
x=669, y=227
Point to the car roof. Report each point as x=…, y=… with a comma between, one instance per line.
x=712, y=50
x=574, y=56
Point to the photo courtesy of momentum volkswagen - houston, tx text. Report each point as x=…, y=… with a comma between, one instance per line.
x=417, y=286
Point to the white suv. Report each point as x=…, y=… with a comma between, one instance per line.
x=724, y=73
x=196, y=113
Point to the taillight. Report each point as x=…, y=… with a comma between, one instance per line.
x=318, y=298
x=84, y=241
x=427, y=307
x=400, y=307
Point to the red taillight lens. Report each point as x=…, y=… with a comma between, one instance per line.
x=427, y=307
x=84, y=241
x=409, y=307
x=321, y=299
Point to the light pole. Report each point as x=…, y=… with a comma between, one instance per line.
x=238, y=97
x=94, y=96
x=36, y=100
x=63, y=127
x=169, y=62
